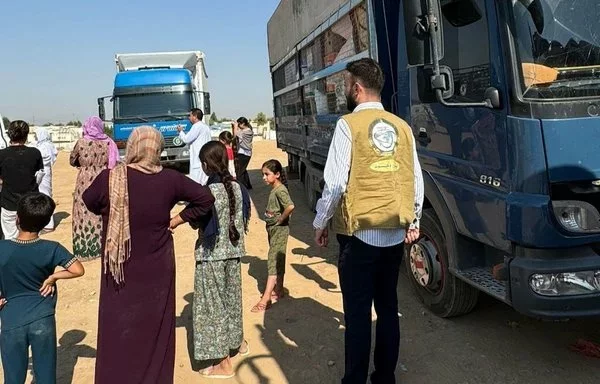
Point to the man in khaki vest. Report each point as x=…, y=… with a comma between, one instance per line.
x=373, y=195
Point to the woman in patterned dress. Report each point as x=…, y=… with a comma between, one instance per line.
x=91, y=154
x=217, y=306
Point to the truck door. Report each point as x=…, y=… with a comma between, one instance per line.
x=465, y=148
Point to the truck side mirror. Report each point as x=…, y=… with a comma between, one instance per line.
x=101, y=110
x=419, y=17
x=206, y=106
x=534, y=7
x=460, y=13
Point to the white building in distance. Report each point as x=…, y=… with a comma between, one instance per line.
x=63, y=137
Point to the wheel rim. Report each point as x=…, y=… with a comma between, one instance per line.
x=425, y=265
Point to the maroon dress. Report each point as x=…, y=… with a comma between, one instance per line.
x=136, y=325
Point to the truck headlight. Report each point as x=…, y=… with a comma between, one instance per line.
x=566, y=284
x=577, y=216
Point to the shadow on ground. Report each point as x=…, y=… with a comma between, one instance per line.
x=304, y=353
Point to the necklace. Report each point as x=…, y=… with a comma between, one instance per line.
x=18, y=241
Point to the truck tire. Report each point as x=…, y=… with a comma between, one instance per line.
x=426, y=264
x=184, y=167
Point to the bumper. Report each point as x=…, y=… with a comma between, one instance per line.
x=169, y=155
x=542, y=261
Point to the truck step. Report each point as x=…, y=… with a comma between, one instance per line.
x=483, y=279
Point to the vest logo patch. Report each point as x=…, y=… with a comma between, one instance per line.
x=383, y=136
x=386, y=165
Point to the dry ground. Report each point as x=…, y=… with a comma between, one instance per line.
x=300, y=340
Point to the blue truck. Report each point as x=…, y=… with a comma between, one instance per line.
x=503, y=97
x=158, y=89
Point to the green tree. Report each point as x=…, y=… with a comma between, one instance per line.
x=261, y=119
x=75, y=123
x=47, y=124
x=5, y=121
x=213, y=119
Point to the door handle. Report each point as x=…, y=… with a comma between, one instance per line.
x=423, y=137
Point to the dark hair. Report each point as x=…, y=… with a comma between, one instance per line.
x=368, y=72
x=226, y=136
x=243, y=121
x=197, y=112
x=17, y=131
x=214, y=155
x=34, y=211
x=276, y=167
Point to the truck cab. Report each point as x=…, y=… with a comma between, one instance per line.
x=504, y=101
x=158, y=89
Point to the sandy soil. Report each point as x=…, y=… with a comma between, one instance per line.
x=300, y=339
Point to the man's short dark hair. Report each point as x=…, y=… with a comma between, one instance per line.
x=18, y=131
x=34, y=211
x=368, y=73
x=197, y=112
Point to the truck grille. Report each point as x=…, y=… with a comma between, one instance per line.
x=174, y=142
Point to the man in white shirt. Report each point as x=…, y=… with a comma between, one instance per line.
x=375, y=203
x=196, y=138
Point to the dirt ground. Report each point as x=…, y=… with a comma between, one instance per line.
x=300, y=339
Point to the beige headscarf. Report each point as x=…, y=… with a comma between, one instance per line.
x=143, y=154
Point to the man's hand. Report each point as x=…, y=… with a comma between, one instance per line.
x=2, y=302
x=48, y=287
x=179, y=128
x=322, y=237
x=412, y=235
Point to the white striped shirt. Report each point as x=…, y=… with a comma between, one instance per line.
x=336, y=175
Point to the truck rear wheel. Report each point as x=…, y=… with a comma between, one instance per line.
x=427, y=267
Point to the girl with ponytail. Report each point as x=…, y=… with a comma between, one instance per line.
x=217, y=306
x=277, y=217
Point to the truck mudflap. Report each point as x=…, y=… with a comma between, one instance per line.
x=557, y=283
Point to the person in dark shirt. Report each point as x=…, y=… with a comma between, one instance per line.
x=21, y=170
x=28, y=293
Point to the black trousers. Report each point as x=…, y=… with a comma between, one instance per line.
x=241, y=170
x=369, y=274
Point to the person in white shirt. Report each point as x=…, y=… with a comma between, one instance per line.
x=371, y=227
x=49, y=153
x=198, y=135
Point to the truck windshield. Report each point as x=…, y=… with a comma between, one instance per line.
x=558, y=47
x=153, y=105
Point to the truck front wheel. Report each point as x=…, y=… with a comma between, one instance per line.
x=184, y=167
x=426, y=264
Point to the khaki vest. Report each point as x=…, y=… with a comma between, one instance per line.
x=381, y=185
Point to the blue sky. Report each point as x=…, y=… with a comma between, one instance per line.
x=58, y=56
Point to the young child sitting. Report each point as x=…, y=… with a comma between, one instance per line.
x=28, y=290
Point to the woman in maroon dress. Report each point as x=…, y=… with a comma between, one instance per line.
x=136, y=325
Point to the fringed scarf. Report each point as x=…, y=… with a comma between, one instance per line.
x=143, y=154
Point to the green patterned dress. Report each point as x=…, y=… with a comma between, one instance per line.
x=91, y=157
x=217, y=307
